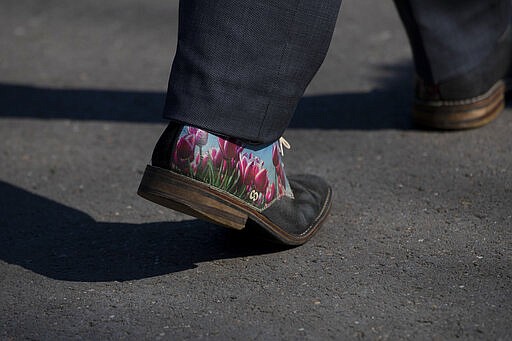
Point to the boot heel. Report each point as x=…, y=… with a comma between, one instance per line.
x=463, y=114
x=191, y=197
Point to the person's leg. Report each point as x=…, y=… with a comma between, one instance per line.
x=241, y=67
x=462, y=50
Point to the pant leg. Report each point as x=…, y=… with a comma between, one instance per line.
x=451, y=37
x=241, y=66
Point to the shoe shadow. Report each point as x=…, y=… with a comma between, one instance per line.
x=385, y=107
x=374, y=110
x=63, y=243
x=25, y=101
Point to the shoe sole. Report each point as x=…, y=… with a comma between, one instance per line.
x=205, y=202
x=462, y=114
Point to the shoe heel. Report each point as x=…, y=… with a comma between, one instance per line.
x=454, y=115
x=191, y=197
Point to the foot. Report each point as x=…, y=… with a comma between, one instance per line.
x=470, y=100
x=234, y=184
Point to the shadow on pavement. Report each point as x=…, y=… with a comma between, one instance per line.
x=22, y=101
x=386, y=107
x=63, y=243
x=353, y=111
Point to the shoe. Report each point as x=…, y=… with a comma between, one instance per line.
x=234, y=184
x=470, y=100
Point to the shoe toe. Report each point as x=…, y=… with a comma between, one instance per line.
x=294, y=221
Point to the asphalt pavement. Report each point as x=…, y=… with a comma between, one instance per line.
x=417, y=246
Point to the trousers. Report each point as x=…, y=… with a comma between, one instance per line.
x=241, y=66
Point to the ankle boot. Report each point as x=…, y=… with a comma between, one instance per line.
x=234, y=184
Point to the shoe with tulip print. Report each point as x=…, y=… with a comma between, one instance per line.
x=234, y=184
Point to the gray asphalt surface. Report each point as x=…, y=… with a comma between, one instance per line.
x=418, y=245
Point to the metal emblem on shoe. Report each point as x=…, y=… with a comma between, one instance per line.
x=254, y=175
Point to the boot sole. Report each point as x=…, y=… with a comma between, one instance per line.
x=462, y=114
x=205, y=202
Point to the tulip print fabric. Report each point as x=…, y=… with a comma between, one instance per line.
x=255, y=176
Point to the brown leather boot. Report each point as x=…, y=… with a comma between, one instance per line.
x=470, y=100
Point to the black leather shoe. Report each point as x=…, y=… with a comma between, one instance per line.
x=470, y=100
x=234, y=184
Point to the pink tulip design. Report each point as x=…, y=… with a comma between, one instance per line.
x=231, y=167
x=271, y=192
x=275, y=155
x=184, y=152
x=216, y=156
x=185, y=147
x=192, y=130
x=281, y=177
x=246, y=169
x=196, y=164
x=203, y=162
x=261, y=180
x=229, y=149
x=201, y=137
